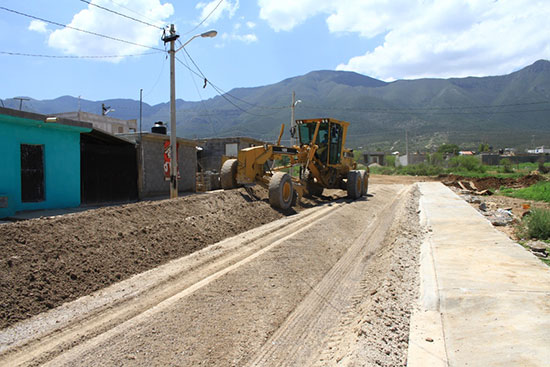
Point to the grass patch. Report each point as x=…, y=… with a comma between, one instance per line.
x=538, y=192
x=535, y=225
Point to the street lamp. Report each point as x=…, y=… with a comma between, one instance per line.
x=172, y=37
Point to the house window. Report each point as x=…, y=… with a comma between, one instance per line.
x=32, y=173
x=120, y=129
x=231, y=149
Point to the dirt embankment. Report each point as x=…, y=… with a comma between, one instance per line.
x=49, y=261
x=486, y=183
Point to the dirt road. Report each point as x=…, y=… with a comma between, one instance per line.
x=333, y=284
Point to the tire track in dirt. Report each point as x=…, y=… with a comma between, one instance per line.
x=246, y=294
x=176, y=280
x=297, y=341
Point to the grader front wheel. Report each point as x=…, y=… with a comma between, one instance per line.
x=228, y=174
x=281, y=191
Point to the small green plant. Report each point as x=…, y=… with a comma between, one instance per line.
x=436, y=159
x=382, y=170
x=421, y=169
x=535, y=225
x=448, y=148
x=466, y=164
x=390, y=160
x=506, y=165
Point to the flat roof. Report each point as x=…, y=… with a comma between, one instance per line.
x=42, y=118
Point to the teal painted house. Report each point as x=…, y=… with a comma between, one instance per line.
x=39, y=162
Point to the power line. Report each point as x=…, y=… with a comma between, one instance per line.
x=224, y=94
x=133, y=11
x=201, y=100
x=78, y=29
x=75, y=57
x=204, y=20
x=122, y=15
x=201, y=75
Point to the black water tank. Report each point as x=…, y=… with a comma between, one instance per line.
x=159, y=128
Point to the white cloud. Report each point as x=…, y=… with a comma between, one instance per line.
x=250, y=25
x=246, y=38
x=217, y=9
x=99, y=21
x=38, y=26
x=428, y=38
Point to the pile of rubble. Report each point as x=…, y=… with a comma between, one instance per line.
x=497, y=216
x=503, y=217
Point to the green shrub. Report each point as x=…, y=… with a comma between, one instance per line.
x=466, y=164
x=535, y=225
x=436, y=159
x=448, y=148
x=420, y=169
x=382, y=170
x=506, y=165
x=390, y=160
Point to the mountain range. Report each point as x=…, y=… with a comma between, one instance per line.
x=510, y=110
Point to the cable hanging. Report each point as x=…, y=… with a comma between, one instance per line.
x=204, y=20
x=76, y=57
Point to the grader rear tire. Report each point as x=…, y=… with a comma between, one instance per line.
x=228, y=175
x=281, y=191
x=354, y=185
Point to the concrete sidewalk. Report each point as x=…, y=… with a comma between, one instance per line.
x=485, y=301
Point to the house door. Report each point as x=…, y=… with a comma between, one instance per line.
x=32, y=173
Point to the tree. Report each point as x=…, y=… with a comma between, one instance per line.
x=448, y=149
x=484, y=147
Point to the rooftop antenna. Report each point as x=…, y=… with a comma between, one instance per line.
x=21, y=99
x=79, y=108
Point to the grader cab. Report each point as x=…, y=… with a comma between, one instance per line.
x=320, y=155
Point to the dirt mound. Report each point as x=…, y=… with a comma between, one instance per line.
x=49, y=261
x=486, y=183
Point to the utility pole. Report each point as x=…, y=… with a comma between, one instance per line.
x=140, y=112
x=172, y=37
x=407, y=145
x=21, y=99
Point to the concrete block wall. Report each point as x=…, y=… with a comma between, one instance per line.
x=151, y=181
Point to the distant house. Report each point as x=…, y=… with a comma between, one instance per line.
x=465, y=152
x=375, y=157
x=411, y=158
x=539, y=150
x=40, y=164
x=102, y=122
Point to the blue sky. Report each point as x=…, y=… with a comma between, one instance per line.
x=260, y=42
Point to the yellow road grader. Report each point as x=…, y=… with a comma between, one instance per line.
x=320, y=154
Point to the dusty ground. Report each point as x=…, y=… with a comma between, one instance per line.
x=376, y=329
x=335, y=289
x=49, y=261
